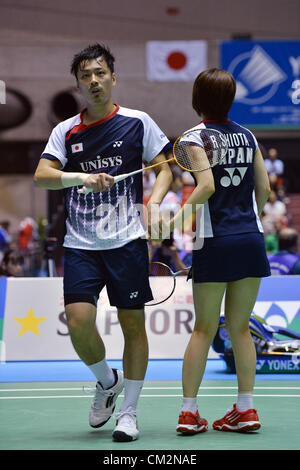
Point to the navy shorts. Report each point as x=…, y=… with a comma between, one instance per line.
x=124, y=271
x=231, y=258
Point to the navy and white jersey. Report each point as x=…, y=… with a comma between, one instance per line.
x=115, y=145
x=232, y=208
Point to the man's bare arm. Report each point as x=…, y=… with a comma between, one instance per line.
x=49, y=176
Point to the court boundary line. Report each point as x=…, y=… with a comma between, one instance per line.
x=46, y=397
x=66, y=389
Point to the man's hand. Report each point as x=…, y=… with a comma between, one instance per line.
x=158, y=228
x=99, y=182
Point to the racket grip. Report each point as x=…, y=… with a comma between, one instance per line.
x=118, y=178
x=84, y=190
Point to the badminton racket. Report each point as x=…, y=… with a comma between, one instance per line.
x=196, y=150
x=162, y=290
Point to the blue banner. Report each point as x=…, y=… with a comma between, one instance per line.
x=279, y=288
x=267, y=74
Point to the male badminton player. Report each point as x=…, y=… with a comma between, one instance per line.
x=104, y=241
x=232, y=261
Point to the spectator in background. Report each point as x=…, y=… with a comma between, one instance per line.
x=5, y=238
x=27, y=234
x=271, y=243
x=274, y=214
x=11, y=264
x=172, y=200
x=168, y=253
x=275, y=168
x=286, y=260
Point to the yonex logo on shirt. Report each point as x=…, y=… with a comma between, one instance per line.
x=235, y=176
x=118, y=143
x=133, y=295
x=77, y=148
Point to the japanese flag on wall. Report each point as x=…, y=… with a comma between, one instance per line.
x=175, y=60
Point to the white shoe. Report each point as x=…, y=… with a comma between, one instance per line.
x=105, y=401
x=126, y=427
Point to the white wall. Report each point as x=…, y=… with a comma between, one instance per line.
x=41, y=71
x=38, y=39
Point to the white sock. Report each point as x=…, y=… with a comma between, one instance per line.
x=244, y=401
x=189, y=404
x=103, y=373
x=132, y=390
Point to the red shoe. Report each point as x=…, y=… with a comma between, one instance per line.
x=238, y=421
x=191, y=423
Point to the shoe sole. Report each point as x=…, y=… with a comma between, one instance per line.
x=245, y=427
x=190, y=429
x=121, y=436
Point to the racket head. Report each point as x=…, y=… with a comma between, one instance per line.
x=161, y=291
x=199, y=149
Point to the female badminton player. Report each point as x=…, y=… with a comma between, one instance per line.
x=104, y=241
x=232, y=260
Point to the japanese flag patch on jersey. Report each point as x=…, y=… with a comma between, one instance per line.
x=77, y=148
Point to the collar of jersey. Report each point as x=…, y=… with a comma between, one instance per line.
x=86, y=126
x=215, y=120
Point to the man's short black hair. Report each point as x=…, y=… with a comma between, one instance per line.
x=92, y=52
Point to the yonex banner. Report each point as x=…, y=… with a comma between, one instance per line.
x=267, y=74
x=35, y=326
x=272, y=364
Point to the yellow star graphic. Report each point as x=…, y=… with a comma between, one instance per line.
x=30, y=323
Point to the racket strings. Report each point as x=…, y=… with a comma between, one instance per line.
x=162, y=289
x=187, y=157
x=213, y=146
x=158, y=269
x=200, y=149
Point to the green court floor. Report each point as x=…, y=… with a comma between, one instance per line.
x=54, y=416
